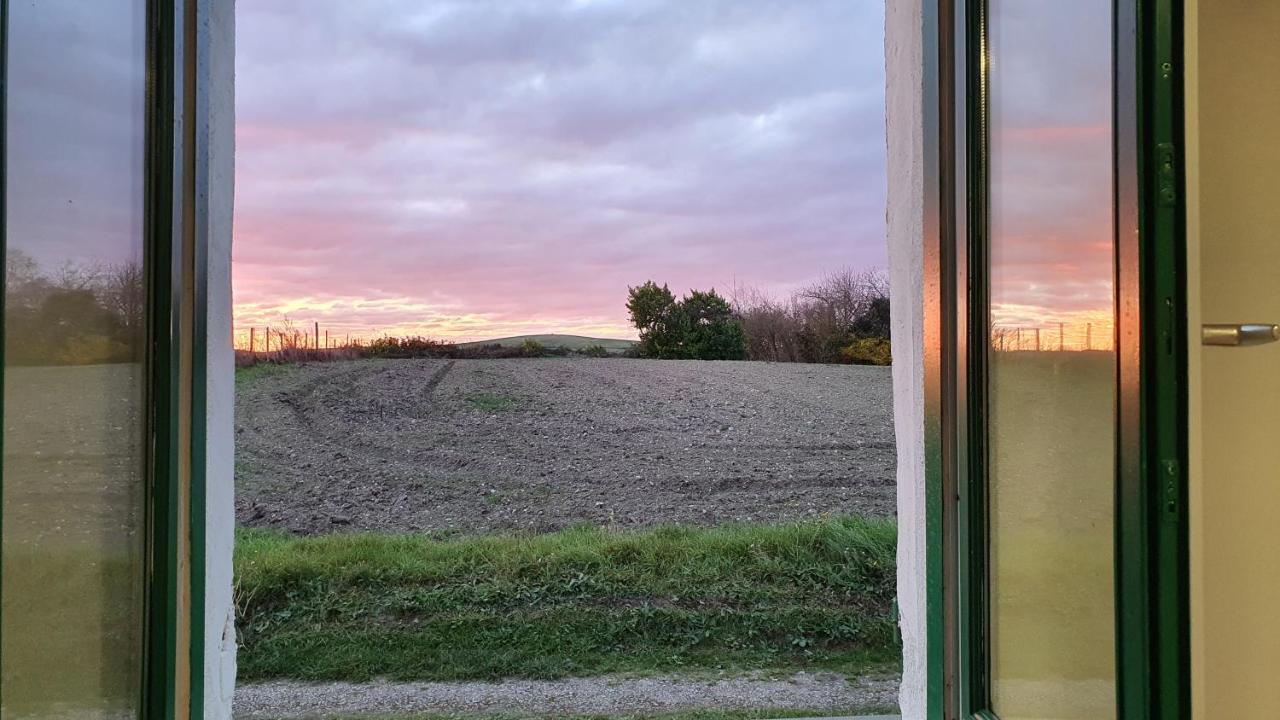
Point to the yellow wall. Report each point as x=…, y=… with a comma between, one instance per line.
x=1233, y=160
x=1194, y=443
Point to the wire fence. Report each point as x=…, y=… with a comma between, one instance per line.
x=268, y=339
x=1054, y=337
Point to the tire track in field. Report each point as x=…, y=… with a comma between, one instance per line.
x=428, y=406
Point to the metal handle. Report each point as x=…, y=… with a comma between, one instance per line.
x=1239, y=335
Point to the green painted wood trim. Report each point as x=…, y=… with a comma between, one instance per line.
x=1132, y=497
x=164, y=272
x=200, y=362
x=1162, y=227
x=1152, y=610
x=972, y=247
x=973, y=534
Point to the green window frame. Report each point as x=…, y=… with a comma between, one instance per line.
x=175, y=197
x=175, y=261
x=1152, y=646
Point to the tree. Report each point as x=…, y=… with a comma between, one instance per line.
x=714, y=332
x=819, y=322
x=656, y=314
x=124, y=292
x=873, y=322
x=771, y=327
x=701, y=326
x=79, y=314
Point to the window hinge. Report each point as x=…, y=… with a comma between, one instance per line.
x=1169, y=485
x=1166, y=174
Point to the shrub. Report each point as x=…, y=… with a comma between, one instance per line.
x=818, y=322
x=91, y=350
x=700, y=326
x=713, y=331
x=595, y=351
x=867, y=351
x=409, y=347
x=658, y=316
x=532, y=348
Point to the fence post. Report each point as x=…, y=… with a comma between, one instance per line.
x=1088, y=336
x=251, y=338
x=268, y=338
x=1060, y=345
x=1037, y=339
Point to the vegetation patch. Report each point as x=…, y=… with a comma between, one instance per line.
x=251, y=373
x=491, y=402
x=584, y=601
x=568, y=342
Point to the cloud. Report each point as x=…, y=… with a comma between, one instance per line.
x=1051, y=202
x=76, y=105
x=524, y=162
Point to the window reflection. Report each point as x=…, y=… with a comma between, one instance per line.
x=74, y=458
x=1052, y=365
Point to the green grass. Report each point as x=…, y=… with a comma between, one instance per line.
x=585, y=601
x=573, y=342
x=490, y=402
x=245, y=375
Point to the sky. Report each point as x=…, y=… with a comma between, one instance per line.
x=1051, y=226
x=75, y=132
x=483, y=168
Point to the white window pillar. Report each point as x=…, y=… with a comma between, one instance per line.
x=215, y=147
x=904, y=110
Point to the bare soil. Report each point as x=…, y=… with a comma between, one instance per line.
x=575, y=697
x=540, y=444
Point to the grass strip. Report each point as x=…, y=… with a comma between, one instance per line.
x=583, y=601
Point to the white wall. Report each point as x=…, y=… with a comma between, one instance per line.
x=215, y=115
x=904, y=63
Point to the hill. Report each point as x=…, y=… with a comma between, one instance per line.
x=573, y=342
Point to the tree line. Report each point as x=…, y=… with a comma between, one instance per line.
x=74, y=315
x=842, y=318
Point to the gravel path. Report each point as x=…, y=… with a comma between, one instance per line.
x=541, y=444
x=559, y=698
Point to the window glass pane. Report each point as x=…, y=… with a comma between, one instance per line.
x=1052, y=364
x=73, y=469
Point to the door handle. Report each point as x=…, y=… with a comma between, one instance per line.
x=1238, y=335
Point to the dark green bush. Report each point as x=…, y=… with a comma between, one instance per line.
x=700, y=326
